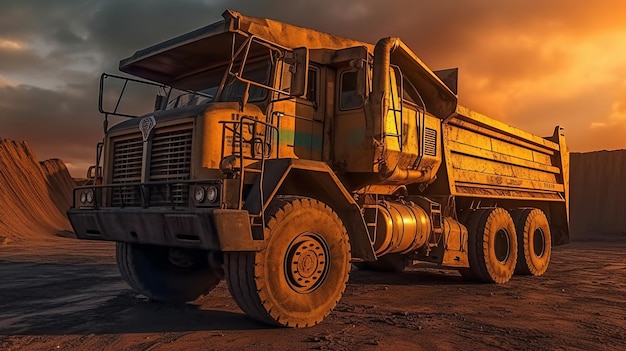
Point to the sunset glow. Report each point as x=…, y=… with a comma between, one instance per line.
x=6, y=44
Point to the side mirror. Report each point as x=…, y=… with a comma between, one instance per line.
x=91, y=172
x=361, y=82
x=361, y=76
x=299, y=68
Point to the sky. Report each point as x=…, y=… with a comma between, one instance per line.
x=533, y=64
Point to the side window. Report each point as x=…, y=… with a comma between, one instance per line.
x=349, y=97
x=404, y=88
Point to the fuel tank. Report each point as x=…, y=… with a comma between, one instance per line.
x=400, y=228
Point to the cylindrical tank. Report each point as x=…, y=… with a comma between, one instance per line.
x=400, y=228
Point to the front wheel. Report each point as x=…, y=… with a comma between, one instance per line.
x=300, y=275
x=166, y=274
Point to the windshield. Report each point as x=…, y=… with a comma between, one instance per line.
x=183, y=98
x=257, y=72
x=206, y=85
x=247, y=78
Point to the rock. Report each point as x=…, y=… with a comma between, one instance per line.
x=34, y=195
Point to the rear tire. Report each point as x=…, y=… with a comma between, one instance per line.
x=300, y=275
x=492, y=250
x=166, y=274
x=534, y=241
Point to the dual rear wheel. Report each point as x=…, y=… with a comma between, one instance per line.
x=534, y=242
x=502, y=243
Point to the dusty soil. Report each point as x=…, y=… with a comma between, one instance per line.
x=62, y=294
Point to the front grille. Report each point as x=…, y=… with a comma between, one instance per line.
x=171, y=155
x=127, y=155
x=127, y=160
x=430, y=142
x=170, y=160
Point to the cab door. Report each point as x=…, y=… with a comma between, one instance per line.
x=308, y=137
x=352, y=151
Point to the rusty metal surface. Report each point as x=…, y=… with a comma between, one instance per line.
x=488, y=158
x=455, y=238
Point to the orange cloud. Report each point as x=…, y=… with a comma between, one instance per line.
x=3, y=82
x=7, y=44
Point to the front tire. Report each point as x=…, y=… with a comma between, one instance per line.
x=300, y=275
x=492, y=250
x=166, y=274
x=534, y=241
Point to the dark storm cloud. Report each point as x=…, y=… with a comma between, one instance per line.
x=15, y=60
x=56, y=122
x=119, y=28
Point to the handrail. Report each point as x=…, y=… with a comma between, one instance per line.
x=239, y=140
x=114, y=112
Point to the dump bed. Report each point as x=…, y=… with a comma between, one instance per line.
x=487, y=158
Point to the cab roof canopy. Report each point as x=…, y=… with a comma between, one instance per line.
x=211, y=46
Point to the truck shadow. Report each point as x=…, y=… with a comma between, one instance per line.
x=126, y=314
x=40, y=298
x=430, y=276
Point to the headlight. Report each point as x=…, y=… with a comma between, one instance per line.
x=199, y=194
x=87, y=197
x=211, y=194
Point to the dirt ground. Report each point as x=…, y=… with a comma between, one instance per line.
x=65, y=294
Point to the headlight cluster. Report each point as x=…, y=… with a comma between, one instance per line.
x=87, y=197
x=206, y=194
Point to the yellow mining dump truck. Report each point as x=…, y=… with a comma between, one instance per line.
x=275, y=156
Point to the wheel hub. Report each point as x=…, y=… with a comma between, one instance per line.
x=307, y=262
x=180, y=258
x=502, y=246
x=539, y=240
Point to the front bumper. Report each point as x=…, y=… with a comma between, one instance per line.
x=199, y=228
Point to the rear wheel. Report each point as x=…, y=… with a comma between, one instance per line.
x=492, y=250
x=166, y=274
x=300, y=275
x=534, y=241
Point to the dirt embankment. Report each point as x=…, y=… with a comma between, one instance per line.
x=34, y=196
x=598, y=194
